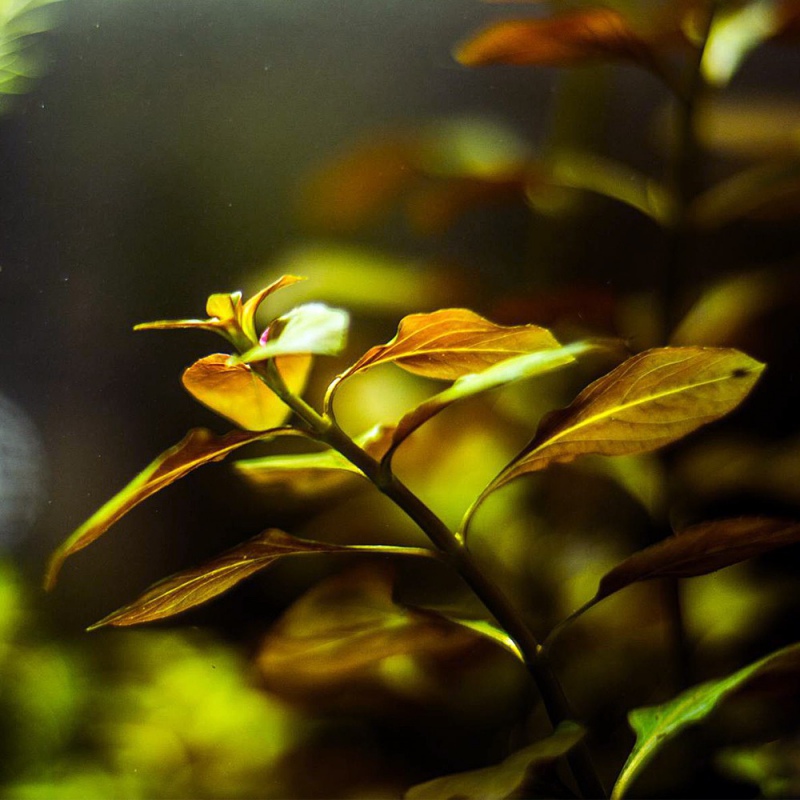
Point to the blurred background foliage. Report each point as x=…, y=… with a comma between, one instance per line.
x=154, y=152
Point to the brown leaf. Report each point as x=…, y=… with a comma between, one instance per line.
x=190, y=588
x=701, y=549
x=453, y=342
x=198, y=447
x=565, y=39
x=652, y=399
x=235, y=392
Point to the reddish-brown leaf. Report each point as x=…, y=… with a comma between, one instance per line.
x=198, y=447
x=701, y=549
x=453, y=342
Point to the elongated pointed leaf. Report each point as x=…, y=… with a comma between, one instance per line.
x=312, y=473
x=311, y=328
x=651, y=400
x=500, y=374
x=191, y=588
x=198, y=447
x=656, y=725
x=453, y=342
x=701, y=549
x=235, y=392
x=514, y=777
x=562, y=40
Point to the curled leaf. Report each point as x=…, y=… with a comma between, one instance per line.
x=235, y=392
x=452, y=342
x=514, y=777
x=656, y=725
x=701, y=549
x=197, y=448
x=193, y=587
x=310, y=328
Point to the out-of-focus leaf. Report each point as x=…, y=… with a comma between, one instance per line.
x=499, y=374
x=515, y=777
x=236, y=393
x=452, y=342
x=340, y=637
x=773, y=767
x=358, y=188
x=749, y=126
x=700, y=549
x=586, y=171
x=311, y=473
x=193, y=587
x=565, y=39
x=200, y=446
x=724, y=309
x=650, y=400
x=656, y=725
x=371, y=281
x=227, y=315
x=641, y=476
x=735, y=31
x=766, y=191
x=311, y=328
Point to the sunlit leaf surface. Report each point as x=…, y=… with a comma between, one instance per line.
x=191, y=588
x=311, y=328
x=652, y=399
x=700, y=549
x=514, y=777
x=453, y=342
x=235, y=392
x=198, y=447
x=656, y=725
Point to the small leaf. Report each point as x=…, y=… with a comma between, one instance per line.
x=247, y=313
x=197, y=448
x=656, y=725
x=452, y=342
x=312, y=473
x=575, y=37
x=238, y=394
x=511, y=778
x=500, y=374
x=191, y=588
x=490, y=631
x=701, y=549
x=651, y=400
x=311, y=328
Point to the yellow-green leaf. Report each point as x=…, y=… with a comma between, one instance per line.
x=453, y=342
x=656, y=725
x=190, y=588
x=701, y=549
x=237, y=393
x=513, y=777
x=198, y=447
x=500, y=374
x=652, y=399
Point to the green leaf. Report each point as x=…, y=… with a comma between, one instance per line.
x=190, y=588
x=489, y=631
x=197, y=448
x=514, y=777
x=452, y=342
x=235, y=392
x=701, y=549
x=656, y=725
x=500, y=374
x=311, y=328
x=305, y=474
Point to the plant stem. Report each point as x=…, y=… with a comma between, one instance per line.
x=459, y=557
